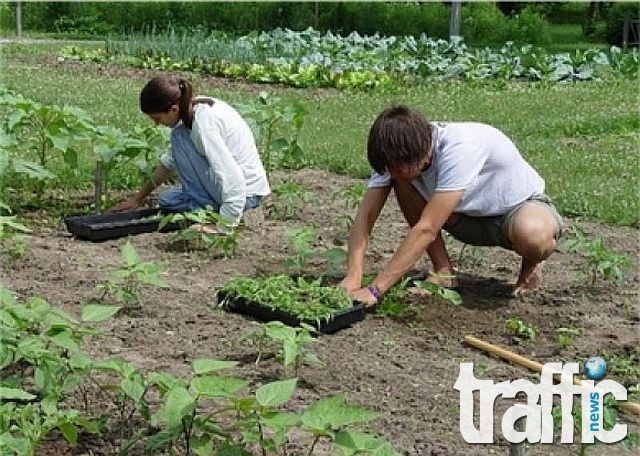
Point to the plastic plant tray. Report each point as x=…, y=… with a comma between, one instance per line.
x=101, y=227
x=338, y=320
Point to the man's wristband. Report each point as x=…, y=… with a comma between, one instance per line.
x=374, y=292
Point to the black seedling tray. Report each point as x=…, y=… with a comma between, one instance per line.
x=117, y=224
x=339, y=320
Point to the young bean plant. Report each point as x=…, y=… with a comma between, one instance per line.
x=124, y=283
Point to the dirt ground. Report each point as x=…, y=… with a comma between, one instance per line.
x=404, y=367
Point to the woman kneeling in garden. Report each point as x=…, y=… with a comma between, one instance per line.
x=213, y=151
x=466, y=178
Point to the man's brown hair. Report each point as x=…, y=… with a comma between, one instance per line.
x=400, y=136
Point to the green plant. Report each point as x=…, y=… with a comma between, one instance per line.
x=124, y=282
x=565, y=339
x=520, y=329
x=42, y=365
x=601, y=261
x=351, y=195
x=308, y=300
x=300, y=240
x=277, y=126
x=440, y=292
x=291, y=198
x=12, y=237
x=291, y=343
x=225, y=240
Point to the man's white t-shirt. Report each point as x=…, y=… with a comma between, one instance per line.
x=482, y=161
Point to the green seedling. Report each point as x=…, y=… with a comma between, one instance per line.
x=290, y=199
x=565, y=336
x=300, y=240
x=124, y=283
x=350, y=195
x=521, y=329
x=439, y=292
x=225, y=241
x=601, y=261
x=13, y=239
x=307, y=300
x=290, y=341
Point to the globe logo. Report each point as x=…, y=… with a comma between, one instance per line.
x=595, y=368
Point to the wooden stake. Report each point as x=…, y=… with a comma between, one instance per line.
x=629, y=407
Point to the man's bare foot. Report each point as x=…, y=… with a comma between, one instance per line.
x=530, y=278
x=443, y=279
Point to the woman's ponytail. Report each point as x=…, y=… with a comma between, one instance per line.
x=186, y=102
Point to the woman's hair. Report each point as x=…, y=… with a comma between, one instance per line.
x=162, y=92
x=400, y=136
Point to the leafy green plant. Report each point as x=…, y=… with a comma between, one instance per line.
x=124, y=282
x=277, y=126
x=565, y=336
x=308, y=300
x=42, y=365
x=13, y=239
x=290, y=341
x=520, y=329
x=47, y=128
x=350, y=195
x=291, y=198
x=440, y=292
x=300, y=240
x=224, y=242
x=601, y=261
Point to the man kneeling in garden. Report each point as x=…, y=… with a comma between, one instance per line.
x=466, y=178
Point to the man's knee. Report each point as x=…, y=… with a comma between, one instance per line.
x=533, y=232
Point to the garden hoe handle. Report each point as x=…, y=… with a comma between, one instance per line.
x=500, y=352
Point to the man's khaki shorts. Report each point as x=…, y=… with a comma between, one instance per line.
x=494, y=231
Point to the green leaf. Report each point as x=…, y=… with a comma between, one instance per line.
x=332, y=413
x=65, y=340
x=15, y=394
x=232, y=450
x=178, y=404
x=129, y=254
x=31, y=169
x=213, y=387
x=94, y=313
x=357, y=442
x=69, y=431
x=280, y=421
x=201, y=446
x=204, y=366
x=276, y=393
x=135, y=390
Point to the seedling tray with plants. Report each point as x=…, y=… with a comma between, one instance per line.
x=101, y=227
x=292, y=301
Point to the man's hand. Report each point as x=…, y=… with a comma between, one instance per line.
x=126, y=206
x=350, y=284
x=364, y=296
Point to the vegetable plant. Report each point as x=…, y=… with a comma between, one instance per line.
x=224, y=242
x=290, y=199
x=42, y=367
x=350, y=195
x=13, y=239
x=291, y=342
x=308, y=300
x=601, y=261
x=520, y=329
x=124, y=282
x=277, y=127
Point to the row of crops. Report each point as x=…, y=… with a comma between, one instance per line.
x=312, y=59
